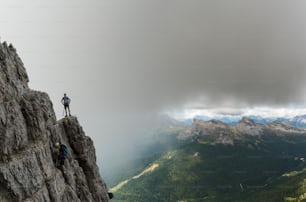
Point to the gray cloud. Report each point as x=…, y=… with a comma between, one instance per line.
x=159, y=54
x=238, y=52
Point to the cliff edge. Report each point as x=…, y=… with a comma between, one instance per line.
x=28, y=132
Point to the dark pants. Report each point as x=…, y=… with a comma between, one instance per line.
x=65, y=107
x=61, y=159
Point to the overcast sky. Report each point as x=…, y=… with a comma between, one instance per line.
x=121, y=62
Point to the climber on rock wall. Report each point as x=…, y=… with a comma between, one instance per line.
x=61, y=155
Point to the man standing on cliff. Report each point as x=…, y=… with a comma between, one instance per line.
x=66, y=101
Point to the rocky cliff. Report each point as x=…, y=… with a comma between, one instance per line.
x=28, y=132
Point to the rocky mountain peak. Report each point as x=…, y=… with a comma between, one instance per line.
x=216, y=122
x=28, y=133
x=248, y=121
x=217, y=130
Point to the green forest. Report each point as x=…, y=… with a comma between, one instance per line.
x=261, y=168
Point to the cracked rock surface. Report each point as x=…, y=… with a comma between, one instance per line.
x=28, y=132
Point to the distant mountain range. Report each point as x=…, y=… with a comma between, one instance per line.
x=297, y=121
x=215, y=131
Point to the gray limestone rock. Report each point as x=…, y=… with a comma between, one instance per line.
x=28, y=133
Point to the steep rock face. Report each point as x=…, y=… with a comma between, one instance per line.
x=28, y=132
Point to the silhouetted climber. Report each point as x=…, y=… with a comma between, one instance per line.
x=66, y=101
x=62, y=151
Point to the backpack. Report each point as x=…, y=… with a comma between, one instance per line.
x=64, y=149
